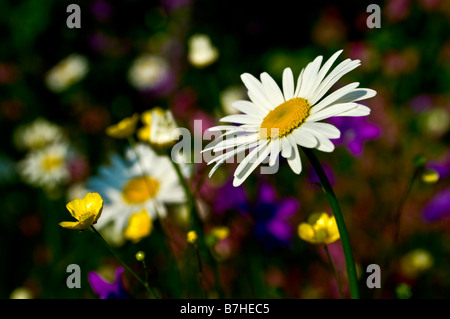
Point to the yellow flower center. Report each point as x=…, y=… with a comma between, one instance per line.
x=50, y=163
x=140, y=189
x=284, y=118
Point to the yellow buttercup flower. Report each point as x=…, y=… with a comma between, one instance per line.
x=320, y=229
x=139, y=226
x=86, y=211
x=159, y=128
x=220, y=232
x=124, y=128
x=192, y=237
x=430, y=176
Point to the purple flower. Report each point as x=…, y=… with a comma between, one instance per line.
x=269, y=213
x=271, y=216
x=438, y=207
x=441, y=166
x=105, y=289
x=233, y=198
x=355, y=131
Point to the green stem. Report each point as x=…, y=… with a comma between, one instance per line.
x=330, y=260
x=149, y=289
x=195, y=220
x=328, y=190
x=200, y=270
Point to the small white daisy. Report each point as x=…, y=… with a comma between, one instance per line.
x=276, y=121
x=67, y=72
x=201, y=52
x=131, y=185
x=37, y=134
x=148, y=71
x=46, y=167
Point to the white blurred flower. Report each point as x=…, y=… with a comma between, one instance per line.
x=148, y=71
x=37, y=134
x=230, y=95
x=46, y=167
x=67, y=72
x=201, y=52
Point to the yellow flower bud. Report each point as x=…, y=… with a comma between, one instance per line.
x=140, y=255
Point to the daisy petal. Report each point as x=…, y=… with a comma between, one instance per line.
x=324, y=144
x=245, y=169
x=294, y=160
x=343, y=68
x=251, y=156
x=330, y=99
x=256, y=90
x=299, y=83
x=304, y=138
x=326, y=67
x=288, y=84
x=246, y=107
x=360, y=110
x=275, y=149
x=331, y=111
x=356, y=95
x=286, y=148
x=326, y=129
x=273, y=92
x=241, y=119
x=231, y=142
x=312, y=83
x=222, y=158
x=309, y=76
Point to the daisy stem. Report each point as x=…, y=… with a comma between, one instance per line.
x=330, y=260
x=145, y=284
x=328, y=190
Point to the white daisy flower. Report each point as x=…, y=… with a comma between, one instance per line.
x=276, y=121
x=46, y=167
x=131, y=185
x=148, y=71
x=67, y=72
x=229, y=96
x=201, y=52
x=37, y=134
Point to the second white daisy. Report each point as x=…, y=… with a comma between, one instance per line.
x=276, y=121
x=136, y=190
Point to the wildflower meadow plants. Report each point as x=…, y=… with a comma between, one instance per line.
x=161, y=152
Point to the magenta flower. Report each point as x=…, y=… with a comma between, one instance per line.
x=105, y=289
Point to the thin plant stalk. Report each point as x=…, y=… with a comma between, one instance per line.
x=200, y=270
x=142, y=282
x=195, y=221
x=330, y=261
x=328, y=190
